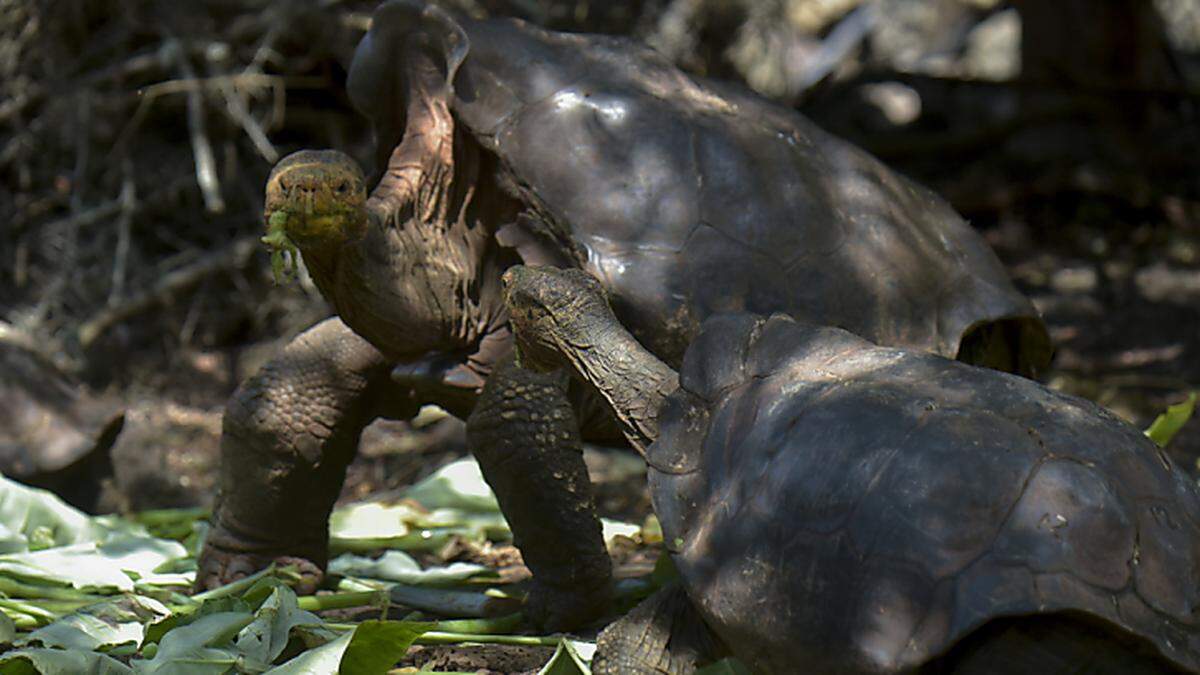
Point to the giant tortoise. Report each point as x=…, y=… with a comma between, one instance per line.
x=53, y=433
x=504, y=143
x=837, y=507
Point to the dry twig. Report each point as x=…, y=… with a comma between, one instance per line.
x=206, y=165
x=235, y=256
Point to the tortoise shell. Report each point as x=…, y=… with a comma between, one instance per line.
x=53, y=433
x=861, y=509
x=687, y=197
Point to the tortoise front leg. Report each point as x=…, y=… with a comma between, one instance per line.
x=525, y=436
x=289, y=433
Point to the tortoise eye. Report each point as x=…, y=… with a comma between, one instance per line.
x=343, y=188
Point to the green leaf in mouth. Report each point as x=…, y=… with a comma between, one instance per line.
x=284, y=254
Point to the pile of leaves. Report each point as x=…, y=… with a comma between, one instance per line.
x=108, y=595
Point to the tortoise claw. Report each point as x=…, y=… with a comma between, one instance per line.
x=219, y=566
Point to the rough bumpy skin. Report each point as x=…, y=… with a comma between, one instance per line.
x=523, y=433
x=858, y=509
x=661, y=636
x=289, y=433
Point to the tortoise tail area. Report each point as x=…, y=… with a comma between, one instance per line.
x=1018, y=345
x=1050, y=644
x=664, y=635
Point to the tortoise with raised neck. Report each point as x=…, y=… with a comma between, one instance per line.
x=833, y=506
x=503, y=143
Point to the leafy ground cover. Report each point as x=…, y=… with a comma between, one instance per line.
x=107, y=595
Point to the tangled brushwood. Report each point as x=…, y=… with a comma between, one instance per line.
x=134, y=140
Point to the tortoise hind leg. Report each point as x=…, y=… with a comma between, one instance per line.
x=664, y=635
x=1055, y=644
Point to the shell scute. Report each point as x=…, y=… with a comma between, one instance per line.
x=920, y=498
x=1069, y=519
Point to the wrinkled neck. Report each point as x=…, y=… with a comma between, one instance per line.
x=633, y=382
x=322, y=263
x=404, y=287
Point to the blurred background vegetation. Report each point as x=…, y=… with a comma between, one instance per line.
x=135, y=138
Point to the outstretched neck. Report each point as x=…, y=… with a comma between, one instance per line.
x=631, y=380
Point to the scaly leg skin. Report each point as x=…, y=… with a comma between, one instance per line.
x=664, y=635
x=526, y=438
x=289, y=433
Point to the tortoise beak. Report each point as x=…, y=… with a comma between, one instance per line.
x=323, y=195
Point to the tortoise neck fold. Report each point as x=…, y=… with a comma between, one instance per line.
x=633, y=381
x=322, y=264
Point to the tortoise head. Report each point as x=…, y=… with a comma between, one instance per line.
x=561, y=318
x=315, y=199
x=554, y=312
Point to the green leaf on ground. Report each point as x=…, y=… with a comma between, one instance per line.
x=176, y=524
x=371, y=648
x=91, y=566
x=567, y=661
x=371, y=526
x=615, y=528
x=323, y=659
x=1167, y=425
x=8, y=629
x=378, y=645
x=195, y=649
x=30, y=513
x=264, y=639
x=458, y=485
x=60, y=662
x=101, y=626
x=402, y=568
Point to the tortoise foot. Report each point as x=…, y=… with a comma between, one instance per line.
x=558, y=609
x=219, y=565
